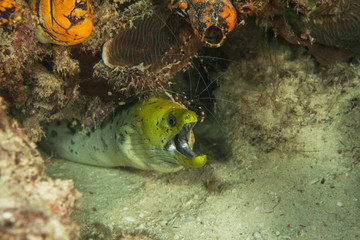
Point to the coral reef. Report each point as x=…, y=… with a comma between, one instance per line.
x=274, y=96
x=32, y=205
x=33, y=90
x=19, y=49
x=42, y=82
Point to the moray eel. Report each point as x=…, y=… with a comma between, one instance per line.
x=155, y=134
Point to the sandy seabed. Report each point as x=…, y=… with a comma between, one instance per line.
x=291, y=171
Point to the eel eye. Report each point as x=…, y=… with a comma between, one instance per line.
x=171, y=121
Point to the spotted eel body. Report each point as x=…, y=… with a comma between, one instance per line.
x=155, y=134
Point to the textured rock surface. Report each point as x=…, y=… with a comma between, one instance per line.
x=32, y=205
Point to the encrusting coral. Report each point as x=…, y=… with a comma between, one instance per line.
x=32, y=205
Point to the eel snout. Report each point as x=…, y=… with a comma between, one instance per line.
x=181, y=145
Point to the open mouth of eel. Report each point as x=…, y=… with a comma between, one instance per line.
x=181, y=145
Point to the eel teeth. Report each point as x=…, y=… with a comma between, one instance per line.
x=179, y=142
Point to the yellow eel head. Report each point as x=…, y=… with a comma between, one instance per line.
x=167, y=127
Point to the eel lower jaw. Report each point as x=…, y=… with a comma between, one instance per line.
x=180, y=146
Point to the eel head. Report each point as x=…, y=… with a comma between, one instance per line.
x=168, y=129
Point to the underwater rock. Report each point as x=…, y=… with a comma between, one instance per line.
x=47, y=96
x=32, y=205
x=63, y=22
x=19, y=49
